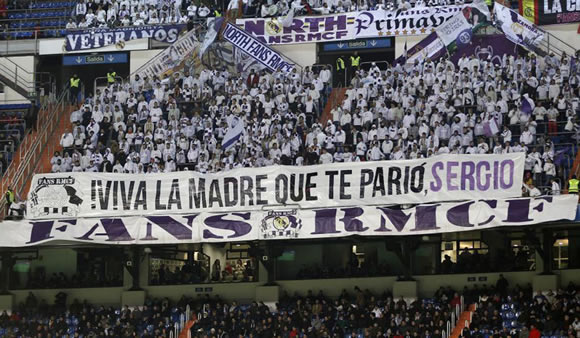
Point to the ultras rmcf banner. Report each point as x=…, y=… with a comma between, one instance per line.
x=435, y=179
x=294, y=223
x=350, y=26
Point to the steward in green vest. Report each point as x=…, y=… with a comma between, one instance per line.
x=10, y=197
x=74, y=83
x=355, y=61
x=111, y=77
x=573, y=185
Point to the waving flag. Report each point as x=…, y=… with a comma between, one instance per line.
x=233, y=135
x=528, y=104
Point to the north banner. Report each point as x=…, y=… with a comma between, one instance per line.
x=292, y=223
x=435, y=179
x=248, y=44
x=101, y=37
x=351, y=25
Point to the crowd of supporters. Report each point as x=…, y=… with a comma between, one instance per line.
x=500, y=311
x=404, y=112
x=114, y=13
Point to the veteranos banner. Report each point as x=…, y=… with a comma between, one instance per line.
x=294, y=223
x=436, y=179
x=96, y=38
x=350, y=26
x=256, y=49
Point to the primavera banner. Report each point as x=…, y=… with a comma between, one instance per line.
x=435, y=179
x=351, y=25
x=248, y=44
x=518, y=29
x=101, y=37
x=293, y=223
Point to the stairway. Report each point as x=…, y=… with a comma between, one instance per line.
x=52, y=144
x=17, y=78
x=34, y=153
x=334, y=99
x=463, y=322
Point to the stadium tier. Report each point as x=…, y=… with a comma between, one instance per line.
x=289, y=169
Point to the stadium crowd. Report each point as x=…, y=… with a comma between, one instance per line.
x=500, y=311
x=114, y=13
x=474, y=107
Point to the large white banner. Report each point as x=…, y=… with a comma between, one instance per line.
x=170, y=57
x=288, y=223
x=454, y=28
x=350, y=26
x=518, y=29
x=435, y=179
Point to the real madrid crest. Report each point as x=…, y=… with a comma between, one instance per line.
x=273, y=27
x=281, y=224
x=120, y=44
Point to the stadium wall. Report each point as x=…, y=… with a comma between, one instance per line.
x=410, y=40
x=27, y=63
x=565, y=32
x=303, y=54
x=426, y=286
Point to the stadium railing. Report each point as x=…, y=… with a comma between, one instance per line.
x=32, y=150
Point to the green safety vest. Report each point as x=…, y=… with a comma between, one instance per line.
x=111, y=77
x=74, y=83
x=354, y=61
x=573, y=185
x=10, y=196
x=217, y=14
x=339, y=64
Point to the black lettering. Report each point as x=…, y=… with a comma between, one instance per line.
x=331, y=175
x=158, y=205
x=174, y=195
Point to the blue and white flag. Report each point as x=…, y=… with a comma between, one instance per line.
x=214, y=26
x=233, y=135
x=528, y=104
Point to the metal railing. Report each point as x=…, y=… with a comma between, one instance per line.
x=32, y=150
x=556, y=45
x=27, y=80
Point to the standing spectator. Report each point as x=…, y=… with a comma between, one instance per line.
x=75, y=83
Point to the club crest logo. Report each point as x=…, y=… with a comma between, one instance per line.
x=55, y=196
x=273, y=27
x=281, y=224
